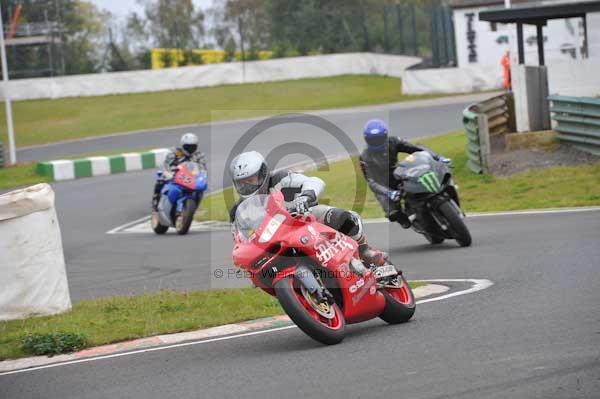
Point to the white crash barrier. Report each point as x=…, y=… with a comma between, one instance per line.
x=32, y=264
x=452, y=80
x=209, y=75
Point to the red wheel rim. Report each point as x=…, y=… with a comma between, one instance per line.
x=334, y=324
x=402, y=294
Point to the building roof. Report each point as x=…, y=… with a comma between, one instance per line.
x=536, y=13
x=481, y=3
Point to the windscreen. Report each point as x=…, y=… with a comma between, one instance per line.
x=249, y=216
x=415, y=164
x=192, y=167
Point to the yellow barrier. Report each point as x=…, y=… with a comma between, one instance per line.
x=177, y=57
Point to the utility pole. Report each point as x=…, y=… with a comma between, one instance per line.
x=9, y=119
x=241, y=32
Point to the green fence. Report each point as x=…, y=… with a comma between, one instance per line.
x=578, y=121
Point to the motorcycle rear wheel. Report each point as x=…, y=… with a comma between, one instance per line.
x=400, y=303
x=305, y=316
x=156, y=226
x=457, y=226
x=184, y=220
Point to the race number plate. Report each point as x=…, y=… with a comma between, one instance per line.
x=385, y=271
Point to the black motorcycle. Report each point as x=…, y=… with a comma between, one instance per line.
x=430, y=199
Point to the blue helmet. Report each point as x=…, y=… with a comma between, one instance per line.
x=376, y=134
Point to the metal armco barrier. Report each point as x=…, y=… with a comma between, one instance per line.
x=471, y=121
x=578, y=121
x=483, y=122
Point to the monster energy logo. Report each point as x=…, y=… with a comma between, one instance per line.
x=430, y=181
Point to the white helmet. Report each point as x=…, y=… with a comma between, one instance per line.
x=250, y=174
x=189, y=143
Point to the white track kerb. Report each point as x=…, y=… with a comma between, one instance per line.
x=100, y=166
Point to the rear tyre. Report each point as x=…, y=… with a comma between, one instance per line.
x=457, y=226
x=183, y=221
x=400, y=303
x=329, y=331
x=156, y=226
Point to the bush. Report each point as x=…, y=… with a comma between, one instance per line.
x=197, y=59
x=230, y=47
x=144, y=59
x=167, y=59
x=51, y=344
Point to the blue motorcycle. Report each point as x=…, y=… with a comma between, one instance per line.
x=180, y=198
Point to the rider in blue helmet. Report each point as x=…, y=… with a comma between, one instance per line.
x=378, y=161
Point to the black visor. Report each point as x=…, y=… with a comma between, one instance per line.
x=251, y=184
x=190, y=148
x=376, y=141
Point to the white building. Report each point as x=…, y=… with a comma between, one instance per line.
x=484, y=43
x=571, y=47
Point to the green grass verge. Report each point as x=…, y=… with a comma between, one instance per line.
x=20, y=175
x=47, y=121
x=561, y=186
x=107, y=320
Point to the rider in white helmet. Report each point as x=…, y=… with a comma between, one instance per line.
x=187, y=151
x=251, y=175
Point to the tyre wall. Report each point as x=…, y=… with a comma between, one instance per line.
x=32, y=264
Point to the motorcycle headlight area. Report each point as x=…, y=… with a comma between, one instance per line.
x=271, y=228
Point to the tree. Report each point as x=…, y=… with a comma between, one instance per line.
x=170, y=23
x=250, y=20
x=230, y=48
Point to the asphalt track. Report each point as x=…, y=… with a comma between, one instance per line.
x=99, y=264
x=534, y=334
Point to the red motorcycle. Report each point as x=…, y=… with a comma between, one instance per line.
x=314, y=271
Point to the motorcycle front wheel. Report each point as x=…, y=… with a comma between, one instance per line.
x=185, y=218
x=400, y=302
x=320, y=321
x=156, y=226
x=457, y=226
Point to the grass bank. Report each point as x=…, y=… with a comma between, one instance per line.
x=561, y=186
x=108, y=320
x=20, y=175
x=47, y=121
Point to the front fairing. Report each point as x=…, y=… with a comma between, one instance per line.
x=325, y=246
x=201, y=183
x=190, y=177
x=420, y=173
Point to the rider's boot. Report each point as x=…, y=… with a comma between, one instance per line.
x=398, y=216
x=369, y=255
x=403, y=220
